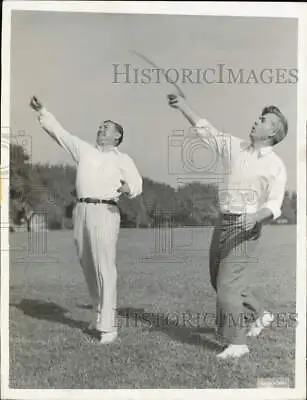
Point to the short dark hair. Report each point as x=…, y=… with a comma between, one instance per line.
x=119, y=129
x=282, y=131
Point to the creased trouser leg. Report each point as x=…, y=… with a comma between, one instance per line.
x=251, y=302
x=230, y=253
x=84, y=252
x=103, y=222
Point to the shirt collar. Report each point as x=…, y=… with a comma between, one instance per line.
x=112, y=149
x=262, y=151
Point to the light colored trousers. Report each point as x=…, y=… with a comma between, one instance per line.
x=96, y=228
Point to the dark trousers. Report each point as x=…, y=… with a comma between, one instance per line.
x=230, y=263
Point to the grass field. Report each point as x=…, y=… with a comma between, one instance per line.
x=160, y=349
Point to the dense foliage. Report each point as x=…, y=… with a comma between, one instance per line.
x=49, y=189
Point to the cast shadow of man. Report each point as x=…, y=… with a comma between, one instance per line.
x=49, y=311
x=184, y=333
x=172, y=327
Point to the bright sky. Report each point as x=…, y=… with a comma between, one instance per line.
x=67, y=59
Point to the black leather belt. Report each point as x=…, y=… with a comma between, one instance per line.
x=96, y=201
x=228, y=214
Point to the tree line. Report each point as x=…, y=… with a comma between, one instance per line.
x=50, y=189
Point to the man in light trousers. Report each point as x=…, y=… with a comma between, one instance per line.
x=251, y=194
x=103, y=175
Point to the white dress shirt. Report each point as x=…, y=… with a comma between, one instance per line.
x=98, y=172
x=253, y=178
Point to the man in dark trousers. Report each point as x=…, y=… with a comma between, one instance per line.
x=252, y=193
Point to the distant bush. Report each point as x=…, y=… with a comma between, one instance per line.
x=51, y=189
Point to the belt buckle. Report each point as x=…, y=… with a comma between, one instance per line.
x=87, y=200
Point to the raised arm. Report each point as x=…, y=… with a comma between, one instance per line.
x=70, y=143
x=195, y=120
x=204, y=129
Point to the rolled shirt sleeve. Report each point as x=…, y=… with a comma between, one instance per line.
x=70, y=143
x=276, y=192
x=205, y=128
x=131, y=176
x=217, y=140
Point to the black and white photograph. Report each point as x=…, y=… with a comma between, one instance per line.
x=153, y=200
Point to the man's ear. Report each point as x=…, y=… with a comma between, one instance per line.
x=117, y=136
x=272, y=130
x=272, y=134
x=275, y=128
x=271, y=137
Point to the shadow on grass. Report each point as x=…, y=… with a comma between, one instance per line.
x=52, y=312
x=162, y=323
x=48, y=311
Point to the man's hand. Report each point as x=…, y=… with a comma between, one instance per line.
x=246, y=221
x=175, y=101
x=36, y=104
x=178, y=102
x=124, y=188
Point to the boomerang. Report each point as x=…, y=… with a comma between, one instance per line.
x=148, y=61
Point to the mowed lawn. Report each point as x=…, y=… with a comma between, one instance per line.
x=165, y=308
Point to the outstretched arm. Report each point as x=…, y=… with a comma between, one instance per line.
x=195, y=120
x=72, y=144
x=204, y=129
x=176, y=101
